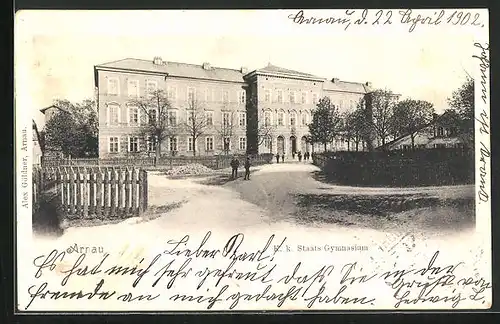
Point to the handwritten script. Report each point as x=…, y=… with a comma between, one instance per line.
x=231, y=276
x=352, y=18
x=483, y=121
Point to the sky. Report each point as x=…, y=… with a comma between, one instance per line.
x=55, y=51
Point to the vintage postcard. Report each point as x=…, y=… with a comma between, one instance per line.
x=250, y=160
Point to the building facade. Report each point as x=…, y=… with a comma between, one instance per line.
x=442, y=132
x=276, y=123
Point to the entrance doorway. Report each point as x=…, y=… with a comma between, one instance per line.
x=281, y=145
x=293, y=144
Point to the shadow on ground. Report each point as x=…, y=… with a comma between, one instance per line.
x=375, y=210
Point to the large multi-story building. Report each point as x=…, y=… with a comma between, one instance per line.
x=283, y=105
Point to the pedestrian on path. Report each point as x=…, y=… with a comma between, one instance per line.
x=293, y=155
x=234, y=165
x=299, y=155
x=283, y=157
x=277, y=158
x=247, y=169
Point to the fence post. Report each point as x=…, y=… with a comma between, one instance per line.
x=112, y=181
x=85, y=194
x=128, y=185
x=119, y=179
x=98, y=194
x=106, y=193
x=143, y=191
x=135, y=193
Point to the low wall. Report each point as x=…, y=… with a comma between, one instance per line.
x=214, y=162
x=398, y=168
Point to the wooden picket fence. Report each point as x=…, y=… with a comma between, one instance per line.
x=94, y=192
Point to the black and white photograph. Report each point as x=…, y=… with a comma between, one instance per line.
x=249, y=160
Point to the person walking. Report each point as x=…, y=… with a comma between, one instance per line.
x=299, y=155
x=247, y=169
x=283, y=157
x=293, y=155
x=234, y=166
x=277, y=158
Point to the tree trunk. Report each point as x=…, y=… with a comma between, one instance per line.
x=324, y=145
x=412, y=136
x=348, y=146
x=194, y=146
x=158, y=152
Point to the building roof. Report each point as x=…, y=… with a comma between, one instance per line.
x=436, y=119
x=52, y=106
x=279, y=70
x=176, y=69
x=345, y=86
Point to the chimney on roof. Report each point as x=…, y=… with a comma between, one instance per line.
x=335, y=80
x=243, y=70
x=368, y=84
x=206, y=66
x=157, y=60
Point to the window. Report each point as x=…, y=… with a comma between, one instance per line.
x=293, y=118
x=191, y=94
x=243, y=97
x=209, y=143
x=226, y=143
x=267, y=142
x=243, y=143
x=292, y=97
x=315, y=98
x=152, y=116
x=281, y=116
x=267, y=118
x=133, y=116
x=172, y=93
x=225, y=96
x=190, y=117
x=172, y=144
x=190, y=147
x=172, y=118
x=226, y=119
x=280, y=96
x=267, y=95
x=133, y=144
x=243, y=119
x=151, y=143
x=304, y=97
x=113, y=87
x=114, y=145
x=440, y=131
x=209, y=115
x=133, y=88
x=439, y=145
x=151, y=86
x=114, y=114
x=208, y=95
x=303, y=119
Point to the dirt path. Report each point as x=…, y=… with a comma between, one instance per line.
x=289, y=192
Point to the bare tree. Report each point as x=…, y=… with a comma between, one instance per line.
x=410, y=116
x=196, y=122
x=157, y=128
x=380, y=113
x=225, y=129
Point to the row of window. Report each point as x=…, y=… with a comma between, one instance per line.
x=302, y=98
x=171, y=117
x=133, y=144
x=208, y=95
x=293, y=97
x=280, y=118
